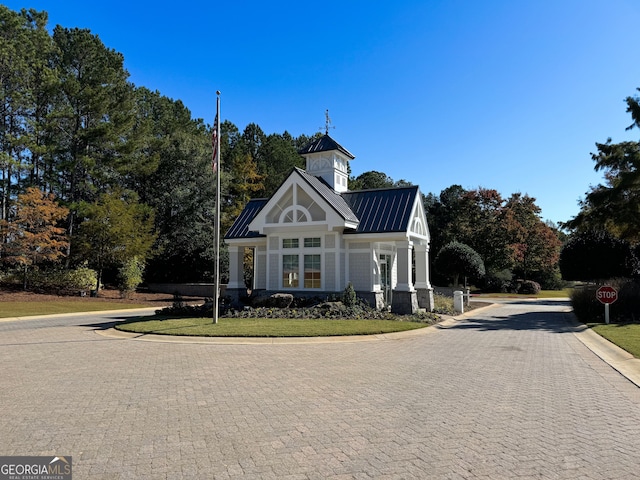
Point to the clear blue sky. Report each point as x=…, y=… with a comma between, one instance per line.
x=503, y=94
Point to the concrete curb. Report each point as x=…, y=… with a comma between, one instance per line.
x=617, y=358
x=150, y=337
x=447, y=321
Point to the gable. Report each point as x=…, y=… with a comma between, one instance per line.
x=303, y=201
x=295, y=206
x=418, y=223
x=306, y=201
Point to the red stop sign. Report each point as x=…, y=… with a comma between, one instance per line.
x=607, y=294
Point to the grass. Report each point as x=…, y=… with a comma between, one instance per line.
x=265, y=327
x=565, y=293
x=626, y=336
x=25, y=309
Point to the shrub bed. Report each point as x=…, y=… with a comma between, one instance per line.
x=327, y=310
x=626, y=309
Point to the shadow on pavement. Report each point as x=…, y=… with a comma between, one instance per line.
x=556, y=322
x=108, y=323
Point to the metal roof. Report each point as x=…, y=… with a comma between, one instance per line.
x=240, y=228
x=325, y=144
x=334, y=199
x=382, y=210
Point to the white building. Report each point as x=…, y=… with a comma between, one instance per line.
x=314, y=237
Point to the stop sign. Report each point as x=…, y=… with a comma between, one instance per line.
x=607, y=294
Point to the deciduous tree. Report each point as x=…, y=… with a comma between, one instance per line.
x=115, y=229
x=33, y=235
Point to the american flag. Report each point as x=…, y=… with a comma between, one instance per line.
x=214, y=143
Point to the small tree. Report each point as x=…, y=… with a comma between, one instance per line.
x=455, y=259
x=130, y=276
x=33, y=235
x=115, y=230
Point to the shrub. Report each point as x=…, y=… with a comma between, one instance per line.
x=81, y=278
x=626, y=309
x=595, y=256
x=529, y=287
x=585, y=305
x=55, y=281
x=443, y=304
x=496, y=281
x=552, y=280
x=349, y=297
x=130, y=276
x=455, y=259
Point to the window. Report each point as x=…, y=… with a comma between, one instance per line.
x=289, y=243
x=312, y=271
x=290, y=271
x=312, y=242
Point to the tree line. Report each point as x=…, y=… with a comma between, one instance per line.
x=127, y=171
x=130, y=171
x=605, y=235
x=129, y=168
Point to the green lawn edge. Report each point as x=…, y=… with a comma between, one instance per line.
x=264, y=327
x=625, y=336
x=55, y=307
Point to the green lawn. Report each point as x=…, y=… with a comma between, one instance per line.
x=265, y=327
x=542, y=294
x=626, y=337
x=25, y=309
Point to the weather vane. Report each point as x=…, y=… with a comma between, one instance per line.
x=327, y=122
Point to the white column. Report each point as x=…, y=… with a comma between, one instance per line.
x=236, y=267
x=404, y=267
x=422, y=266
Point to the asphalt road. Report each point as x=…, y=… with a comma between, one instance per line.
x=507, y=392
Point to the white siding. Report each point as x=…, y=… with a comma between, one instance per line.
x=360, y=271
x=329, y=274
x=274, y=271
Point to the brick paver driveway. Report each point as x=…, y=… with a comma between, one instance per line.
x=507, y=393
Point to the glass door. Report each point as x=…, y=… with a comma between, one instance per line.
x=385, y=277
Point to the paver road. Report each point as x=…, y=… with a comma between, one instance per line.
x=509, y=392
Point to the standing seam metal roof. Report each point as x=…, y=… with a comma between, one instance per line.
x=240, y=228
x=382, y=210
x=325, y=144
x=375, y=211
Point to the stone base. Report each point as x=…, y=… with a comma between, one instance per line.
x=373, y=299
x=404, y=303
x=425, y=299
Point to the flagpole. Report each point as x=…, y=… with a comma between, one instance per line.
x=216, y=293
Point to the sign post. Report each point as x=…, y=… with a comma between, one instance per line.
x=606, y=294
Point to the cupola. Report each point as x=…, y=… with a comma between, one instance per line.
x=328, y=160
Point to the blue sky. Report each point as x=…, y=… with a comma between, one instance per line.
x=503, y=94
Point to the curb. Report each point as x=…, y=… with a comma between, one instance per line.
x=151, y=337
x=620, y=360
x=447, y=322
